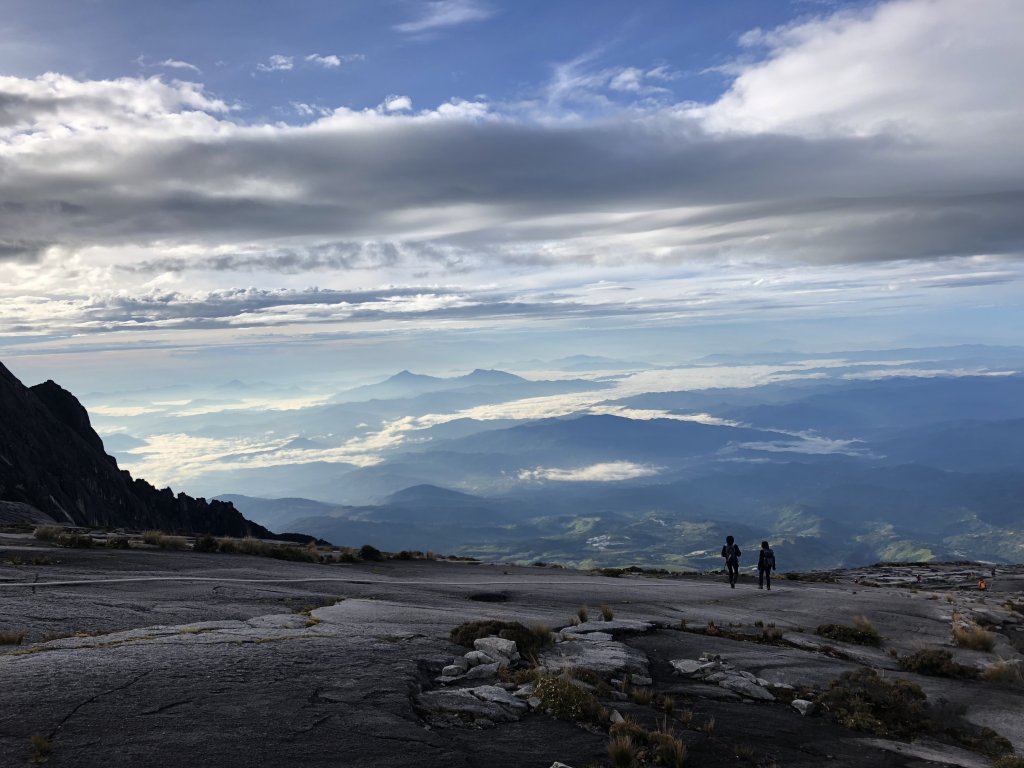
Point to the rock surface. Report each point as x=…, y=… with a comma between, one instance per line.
x=227, y=672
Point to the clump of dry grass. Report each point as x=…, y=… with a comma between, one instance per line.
x=607, y=613
x=11, y=638
x=582, y=613
x=642, y=696
x=47, y=532
x=622, y=752
x=1002, y=671
x=861, y=632
x=974, y=638
x=936, y=662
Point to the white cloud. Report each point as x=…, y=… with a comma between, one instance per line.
x=446, y=13
x=334, y=60
x=327, y=62
x=397, y=104
x=277, y=63
x=921, y=69
x=177, y=64
x=607, y=472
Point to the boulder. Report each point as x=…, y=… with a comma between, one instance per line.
x=479, y=657
x=497, y=648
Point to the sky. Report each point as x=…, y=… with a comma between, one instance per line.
x=208, y=190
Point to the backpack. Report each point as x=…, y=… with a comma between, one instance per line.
x=769, y=560
x=732, y=552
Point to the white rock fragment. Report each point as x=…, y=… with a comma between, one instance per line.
x=803, y=706
x=497, y=648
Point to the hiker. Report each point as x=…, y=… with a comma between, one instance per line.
x=732, y=553
x=765, y=566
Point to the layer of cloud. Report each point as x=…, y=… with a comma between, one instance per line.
x=918, y=157
x=607, y=472
x=438, y=14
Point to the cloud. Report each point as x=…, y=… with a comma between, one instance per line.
x=446, y=13
x=786, y=195
x=331, y=61
x=608, y=472
x=277, y=63
x=178, y=64
x=397, y=104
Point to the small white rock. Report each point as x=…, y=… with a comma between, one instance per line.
x=803, y=706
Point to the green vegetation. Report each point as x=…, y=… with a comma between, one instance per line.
x=40, y=748
x=74, y=540
x=863, y=701
x=567, y=699
x=529, y=642
x=862, y=632
x=47, y=532
x=11, y=638
x=1009, y=761
x=936, y=662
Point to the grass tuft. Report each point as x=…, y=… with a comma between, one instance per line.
x=607, y=613
x=936, y=662
x=1002, y=671
x=582, y=613
x=862, y=632
x=622, y=752
x=40, y=748
x=11, y=638
x=973, y=638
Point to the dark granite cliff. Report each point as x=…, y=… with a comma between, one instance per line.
x=52, y=459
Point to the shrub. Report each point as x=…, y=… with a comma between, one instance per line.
x=47, y=532
x=582, y=613
x=529, y=642
x=227, y=546
x=936, y=662
x=567, y=700
x=1003, y=671
x=152, y=537
x=118, y=542
x=11, y=638
x=370, y=553
x=862, y=632
x=205, y=543
x=974, y=638
x=863, y=701
x=1009, y=761
x=606, y=613
x=74, y=540
x=176, y=543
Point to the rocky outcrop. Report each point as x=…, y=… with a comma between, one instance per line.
x=52, y=459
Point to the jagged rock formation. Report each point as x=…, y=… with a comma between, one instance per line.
x=52, y=459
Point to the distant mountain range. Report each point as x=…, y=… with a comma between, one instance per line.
x=836, y=472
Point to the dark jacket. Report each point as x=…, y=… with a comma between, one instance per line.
x=766, y=560
x=735, y=552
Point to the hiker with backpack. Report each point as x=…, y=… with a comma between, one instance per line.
x=765, y=566
x=731, y=552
